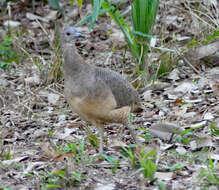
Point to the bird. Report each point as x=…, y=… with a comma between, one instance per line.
x=98, y=95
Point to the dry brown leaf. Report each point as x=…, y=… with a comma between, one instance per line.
x=203, y=51
x=60, y=157
x=164, y=175
x=51, y=153
x=48, y=150
x=165, y=130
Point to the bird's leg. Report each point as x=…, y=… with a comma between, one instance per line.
x=101, y=133
x=131, y=128
x=132, y=131
x=121, y=131
x=128, y=124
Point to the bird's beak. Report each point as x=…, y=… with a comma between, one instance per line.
x=79, y=35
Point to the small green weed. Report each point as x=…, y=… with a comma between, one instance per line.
x=94, y=140
x=166, y=65
x=160, y=184
x=7, y=53
x=143, y=159
x=79, y=2
x=214, y=35
x=175, y=167
x=184, y=137
x=61, y=178
x=113, y=161
x=209, y=175
x=128, y=153
x=147, y=136
x=148, y=167
x=6, y=187
x=214, y=130
x=78, y=151
x=5, y=152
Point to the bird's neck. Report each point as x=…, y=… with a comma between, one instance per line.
x=73, y=62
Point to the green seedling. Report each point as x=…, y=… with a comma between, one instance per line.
x=161, y=185
x=61, y=178
x=168, y=62
x=184, y=135
x=71, y=147
x=6, y=187
x=50, y=133
x=214, y=130
x=130, y=155
x=209, y=175
x=7, y=53
x=147, y=136
x=5, y=153
x=212, y=37
x=94, y=140
x=175, y=167
x=145, y=160
x=113, y=161
x=148, y=167
x=78, y=151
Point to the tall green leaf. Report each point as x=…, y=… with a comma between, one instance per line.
x=118, y=19
x=143, y=18
x=55, y=4
x=97, y=5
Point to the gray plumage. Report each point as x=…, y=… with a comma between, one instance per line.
x=97, y=95
x=82, y=78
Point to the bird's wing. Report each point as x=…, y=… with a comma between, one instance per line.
x=121, y=89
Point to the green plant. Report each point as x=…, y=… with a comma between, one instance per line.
x=184, y=136
x=209, y=175
x=147, y=136
x=6, y=188
x=128, y=153
x=94, y=140
x=55, y=3
x=79, y=154
x=113, y=161
x=160, y=184
x=148, y=167
x=80, y=2
x=113, y=11
x=212, y=36
x=144, y=159
x=143, y=18
x=61, y=178
x=5, y=152
x=167, y=63
x=214, y=130
x=7, y=53
x=175, y=167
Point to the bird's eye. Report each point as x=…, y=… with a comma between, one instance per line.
x=68, y=33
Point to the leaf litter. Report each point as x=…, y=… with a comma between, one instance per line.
x=35, y=118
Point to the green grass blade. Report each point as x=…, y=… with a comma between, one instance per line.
x=116, y=16
x=95, y=13
x=143, y=20
x=56, y=5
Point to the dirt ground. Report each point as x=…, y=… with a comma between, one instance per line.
x=179, y=117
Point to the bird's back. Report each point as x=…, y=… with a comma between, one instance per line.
x=122, y=90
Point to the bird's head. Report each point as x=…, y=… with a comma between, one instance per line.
x=69, y=34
